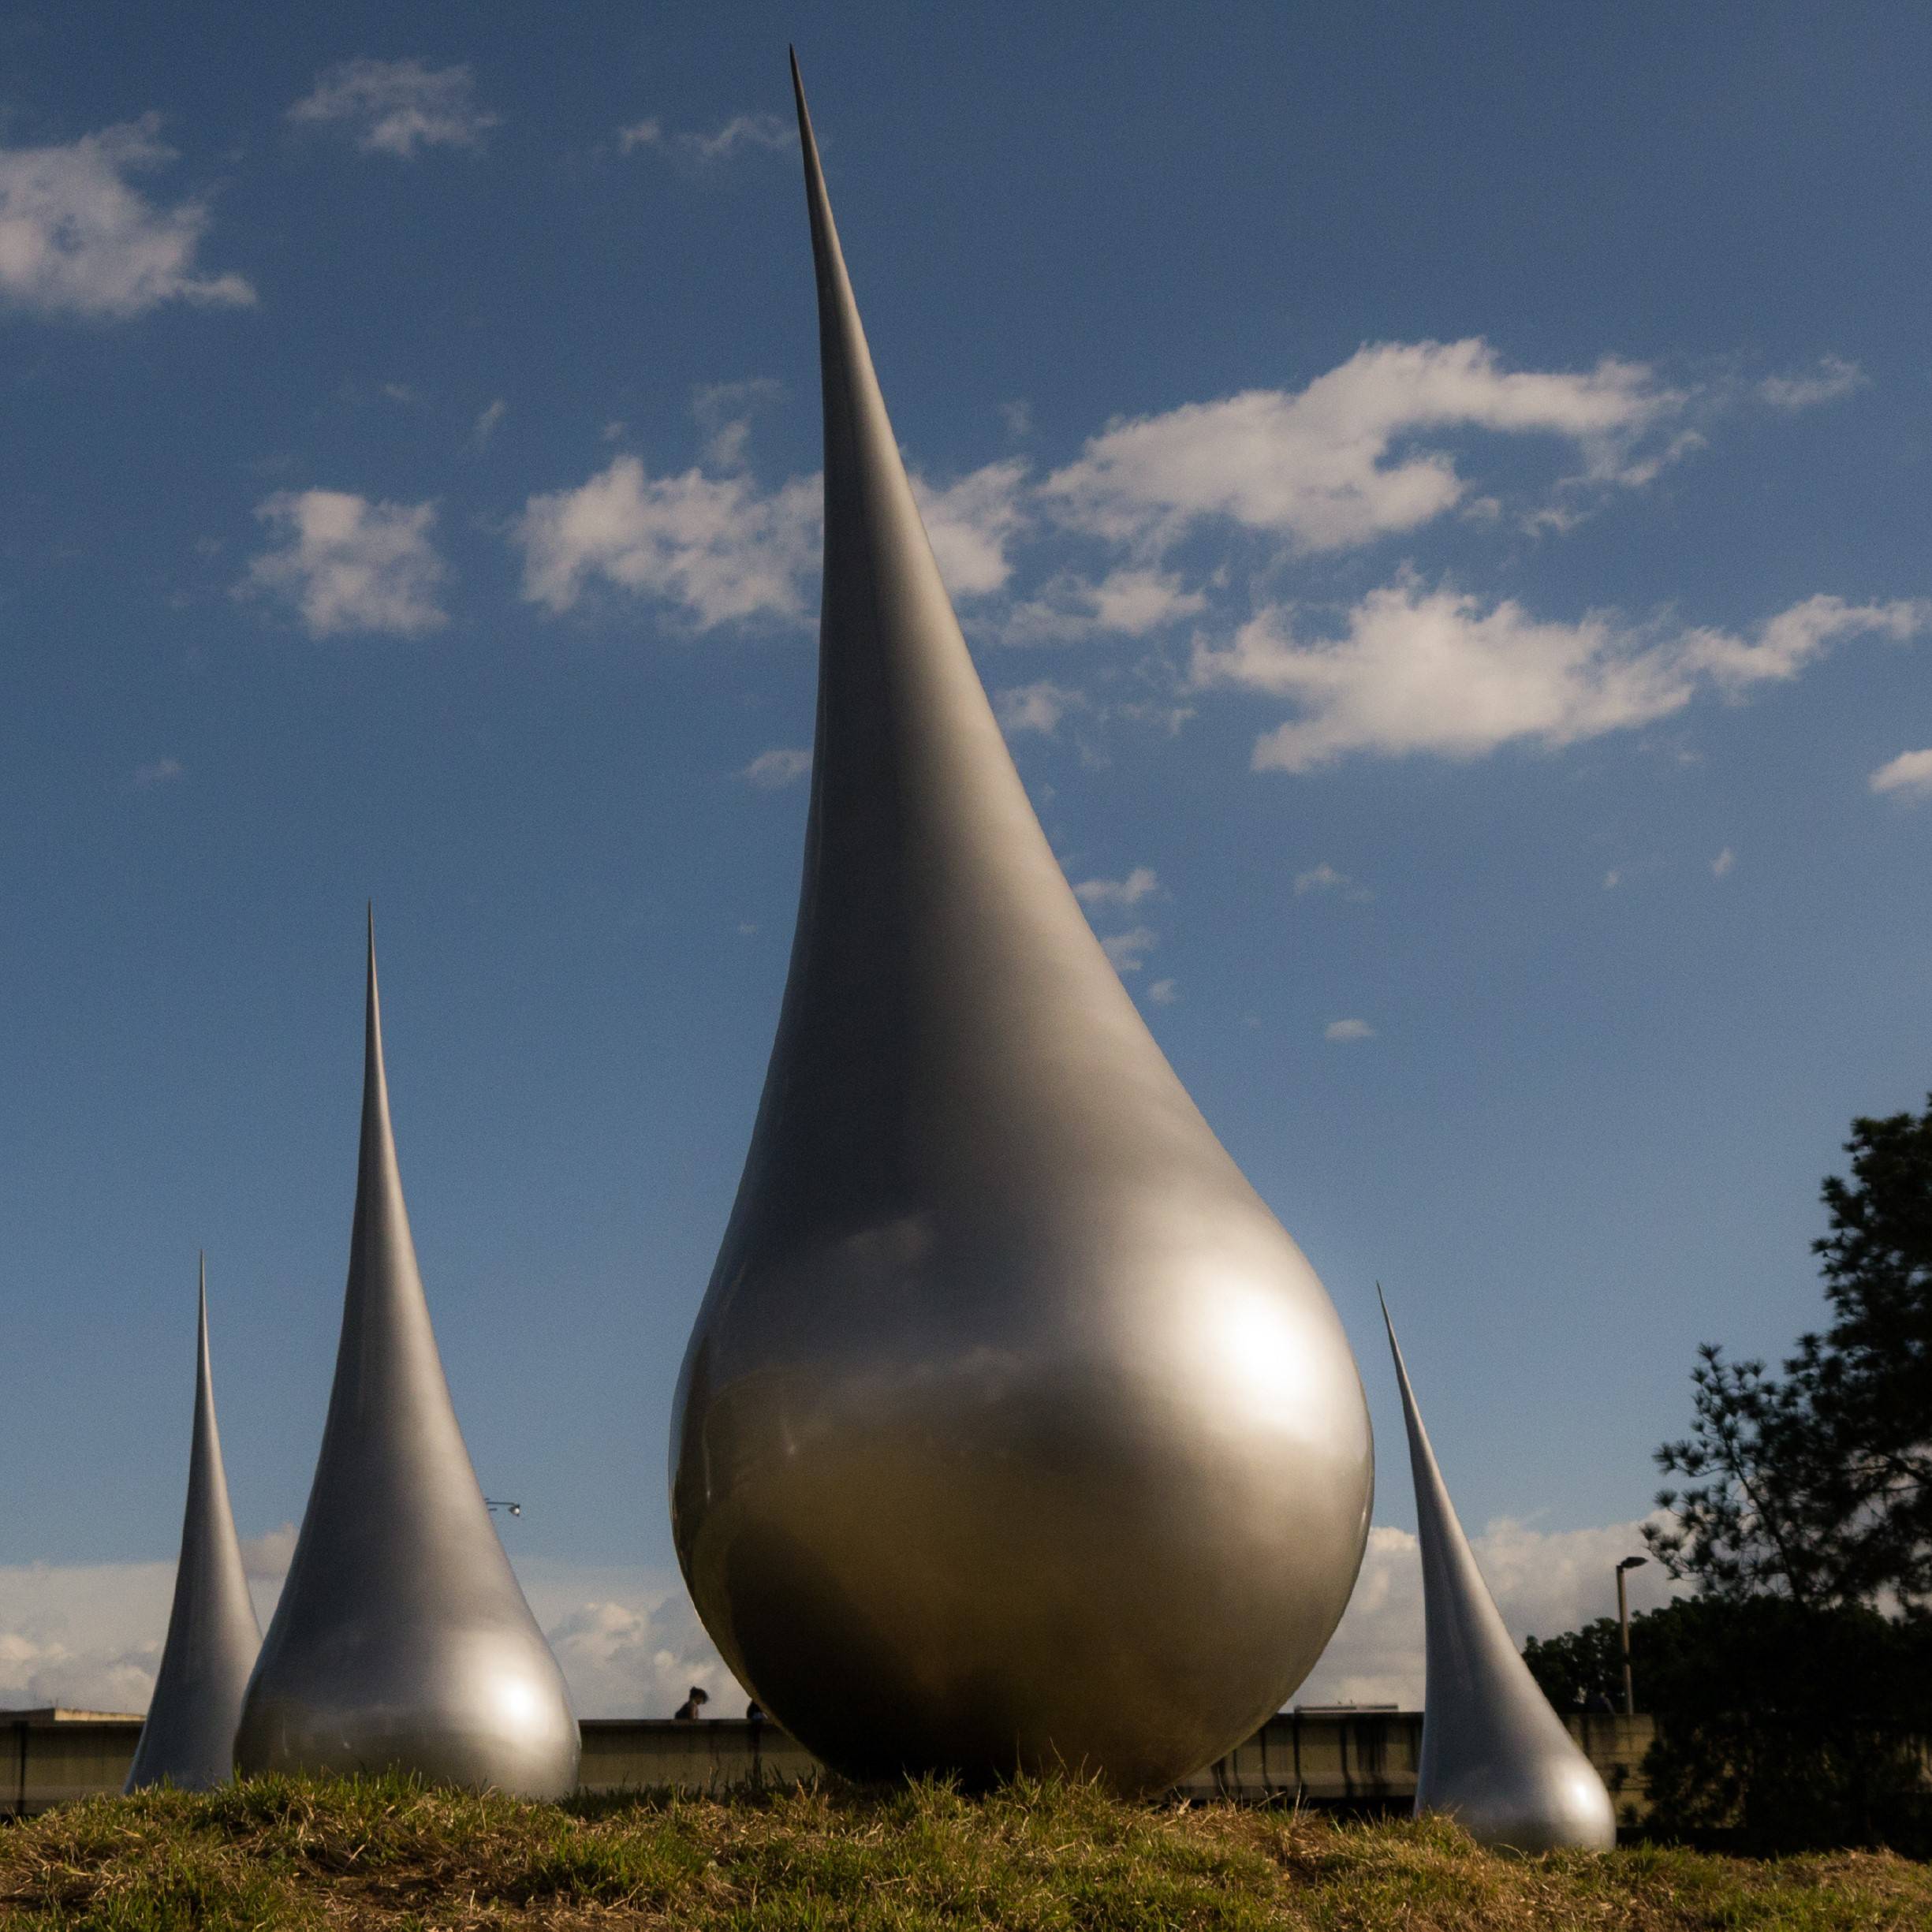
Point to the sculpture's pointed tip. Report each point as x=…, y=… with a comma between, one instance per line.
x=807, y=141
x=374, y=1007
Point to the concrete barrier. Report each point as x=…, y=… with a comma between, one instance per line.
x=1352, y=1760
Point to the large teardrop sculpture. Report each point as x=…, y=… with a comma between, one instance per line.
x=188, y=1738
x=1495, y=1757
x=402, y=1640
x=1014, y=1432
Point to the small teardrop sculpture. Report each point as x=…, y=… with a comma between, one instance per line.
x=1014, y=1432
x=402, y=1640
x=189, y=1739
x=1495, y=1757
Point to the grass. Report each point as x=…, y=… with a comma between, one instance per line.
x=388, y=1853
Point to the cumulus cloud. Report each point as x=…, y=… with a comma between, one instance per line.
x=1346, y=1031
x=1437, y=672
x=1139, y=884
x=630, y=1644
x=396, y=107
x=1318, y=466
x=1128, y=602
x=87, y=1636
x=970, y=524
x=1128, y=950
x=163, y=771
x=718, y=548
x=646, y=133
x=1164, y=992
x=1834, y=377
x=1322, y=878
x=780, y=766
x=346, y=563
x=78, y=239
x=1035, y=707
x=1723, y=863
x=1544, y=1581
x=639, y=1658
x=1909, y=775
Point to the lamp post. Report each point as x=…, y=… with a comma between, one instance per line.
x=1623, y=1618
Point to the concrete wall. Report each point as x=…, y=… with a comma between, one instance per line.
x=1364, y=1760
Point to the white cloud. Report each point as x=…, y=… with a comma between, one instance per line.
x=1835, y=377
x=1138, y=885
x=719, y=548
x=1346, y=1031
x=1314, y=465
x=1127, y=950
x=1545, y=1582
x=1435, y=672
x=1036, y=707
x=163, y=771
x=969, y=524
x=1129, y=601
x=641, y=1658
x=485, y=426
x=1723, y=863
x=346, y=564
x=267, y=1557
x=1164, y=992
x=90, y=1635
x=1018, y=417
x=780, y=766
x=741, y=131
x=724, y=412
x=1322, y=878
x=1909, y=774
x=77, y=239
x=1612, y=879
x=394, y=107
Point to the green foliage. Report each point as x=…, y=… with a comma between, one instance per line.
x=1057, y=1856
x=1582, y=1669
x=1816, y=1484
x=1791, y=1710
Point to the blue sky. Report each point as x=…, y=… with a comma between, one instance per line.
x=1439, y=497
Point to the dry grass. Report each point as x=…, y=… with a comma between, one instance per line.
x=389, y=1854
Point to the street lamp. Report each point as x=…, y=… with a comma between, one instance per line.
x=1623, y=1618
x=516, y=1509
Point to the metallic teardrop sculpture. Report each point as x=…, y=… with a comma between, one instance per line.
x=1014, y=1432
x=189, y=1737
x=1495, y=1757
x=402, y=1640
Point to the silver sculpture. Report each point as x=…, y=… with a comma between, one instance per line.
x=1495, y=1757
x=1014, y=1430
x=402, y=1639
x=188, y=1738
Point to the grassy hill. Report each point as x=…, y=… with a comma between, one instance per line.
x=386, y=1853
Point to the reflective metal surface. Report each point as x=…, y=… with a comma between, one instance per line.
x=1014, y=1430
x=1494, y=1756
x=189, y=1737
x=401, y=1638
